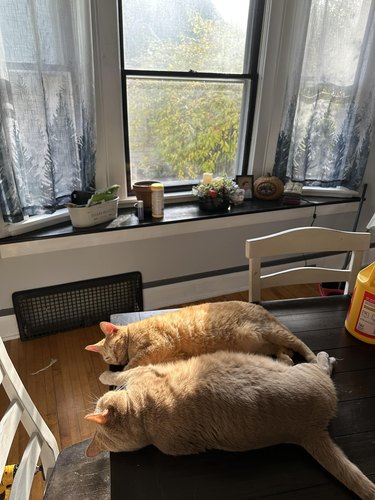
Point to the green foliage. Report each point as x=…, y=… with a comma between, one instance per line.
x=107, y=194
x=180, y=129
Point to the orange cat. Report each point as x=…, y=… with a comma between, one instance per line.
x=180, y=334
x=227, y=401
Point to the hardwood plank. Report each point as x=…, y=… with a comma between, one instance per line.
x=307, y=322
x=362, y=357
x=359, y=448
x=323, y=491
x=326, y=339
x=216, y=475
x=355, y=385
x=353, y=417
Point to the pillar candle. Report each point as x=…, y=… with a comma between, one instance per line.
x=207, y=178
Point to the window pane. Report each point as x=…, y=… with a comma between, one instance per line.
x=180, y=129
x=184, y=35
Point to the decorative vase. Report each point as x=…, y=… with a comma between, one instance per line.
x=213, y=204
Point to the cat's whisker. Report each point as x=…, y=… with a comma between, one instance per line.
x=92, y=398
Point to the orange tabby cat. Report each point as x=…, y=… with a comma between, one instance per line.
x=227, y=401
x=204, y=328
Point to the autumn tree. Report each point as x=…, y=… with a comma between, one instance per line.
x=181, y=128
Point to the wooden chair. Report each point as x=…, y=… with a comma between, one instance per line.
x=67, y=473
x=304, y=240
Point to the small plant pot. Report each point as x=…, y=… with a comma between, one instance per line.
x=142, y=191
x=83, y=216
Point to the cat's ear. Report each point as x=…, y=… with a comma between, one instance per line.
x=94, y=347
x=98, y=418
x=108, y=328
x=93, y=448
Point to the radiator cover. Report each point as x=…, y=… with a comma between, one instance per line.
x=54, y=309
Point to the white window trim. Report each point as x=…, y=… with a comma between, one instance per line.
x=110, y=138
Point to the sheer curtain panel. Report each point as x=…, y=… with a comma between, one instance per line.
x=47, y=107
x=329, y=108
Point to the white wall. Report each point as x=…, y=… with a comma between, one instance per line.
x=173, y=251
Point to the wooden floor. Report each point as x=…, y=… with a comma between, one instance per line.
x=68, y=389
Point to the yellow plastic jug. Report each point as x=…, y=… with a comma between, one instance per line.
x=360, y=320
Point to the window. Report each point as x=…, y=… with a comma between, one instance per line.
x=189, y=79
x=177, y=93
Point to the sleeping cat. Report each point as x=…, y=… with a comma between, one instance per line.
x=227, y=401
x=204, y=328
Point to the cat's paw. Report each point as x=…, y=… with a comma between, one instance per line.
x=106, y=378
x=332, y=361
x=326, y=361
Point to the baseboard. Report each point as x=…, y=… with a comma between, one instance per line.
x=191, y=291
x=9, y=328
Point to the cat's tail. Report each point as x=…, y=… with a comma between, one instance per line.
x=329, y=455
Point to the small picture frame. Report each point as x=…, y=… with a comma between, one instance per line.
x=246, y=182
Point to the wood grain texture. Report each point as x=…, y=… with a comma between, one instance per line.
x=67, y=390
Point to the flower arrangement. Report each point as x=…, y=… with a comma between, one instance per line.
x=214, y=193
x=217, y=187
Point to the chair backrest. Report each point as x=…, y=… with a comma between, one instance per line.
x=305, y=240
x=21, y=409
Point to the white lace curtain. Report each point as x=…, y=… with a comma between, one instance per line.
x=47, y=113
x=329, y=108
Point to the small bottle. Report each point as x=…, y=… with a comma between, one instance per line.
x=157, y=200
x=140, y=210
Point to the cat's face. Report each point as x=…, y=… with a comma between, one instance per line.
x=115, y=431
x=113, y=348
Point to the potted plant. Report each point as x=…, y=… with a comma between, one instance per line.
x=100, y=207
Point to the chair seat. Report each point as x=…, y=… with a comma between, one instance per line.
x=76, y=476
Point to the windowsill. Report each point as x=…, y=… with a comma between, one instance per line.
x=37, y=223
x=176, y=216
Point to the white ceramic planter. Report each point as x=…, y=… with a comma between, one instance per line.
x=82, y=216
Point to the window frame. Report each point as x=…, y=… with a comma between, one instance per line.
x=278, y=20
x=249, y=77
x=276, y=35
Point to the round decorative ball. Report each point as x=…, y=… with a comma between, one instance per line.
x=268, y=187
